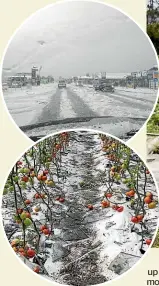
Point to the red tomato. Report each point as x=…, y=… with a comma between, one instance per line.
x=134, y=219
x=120, y=209
x=46, y=231
x=90, y=207
x=25, y=179
x=43, y=178
x=42, y=227
x=61, y=200
x=147, y=200
x=36, y=269
x=27, y=202
x=140, y=217
x=31, y=253
x=37, y=196
x=148, y=241
x=105, y=204
x=108, y=195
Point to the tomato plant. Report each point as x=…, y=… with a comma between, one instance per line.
x=37, y=201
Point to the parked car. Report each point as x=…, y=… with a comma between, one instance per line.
x=4, y=86
x=16, y=84
x=62, y=84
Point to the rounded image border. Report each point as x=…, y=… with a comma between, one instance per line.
x=76, y=130
x=58, y=2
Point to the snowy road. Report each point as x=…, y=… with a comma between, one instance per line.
x=117, y=113
x=84, y=101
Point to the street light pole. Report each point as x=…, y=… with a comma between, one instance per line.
x=40, y=70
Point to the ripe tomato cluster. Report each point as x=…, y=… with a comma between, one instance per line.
x=33, y=172
x=23, y=251
x=125, y=170
x=45, y=230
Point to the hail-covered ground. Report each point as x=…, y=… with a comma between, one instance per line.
x=116, y=113
x=88, y=246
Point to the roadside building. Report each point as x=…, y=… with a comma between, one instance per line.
x=153, y=77
x=147, y=78
x=86, y=79
x=19, y=79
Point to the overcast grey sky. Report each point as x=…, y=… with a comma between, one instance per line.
x=73, y=38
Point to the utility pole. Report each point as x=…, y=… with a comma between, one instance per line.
x=40, y=70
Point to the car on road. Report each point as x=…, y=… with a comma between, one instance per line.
x=109, y=88
x=96, y=86
x=103, y=86
x=62, y=83
x=99, y=84
x=79, y=83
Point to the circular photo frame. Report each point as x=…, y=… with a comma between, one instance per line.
x=80, y=208
x=64, y=70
